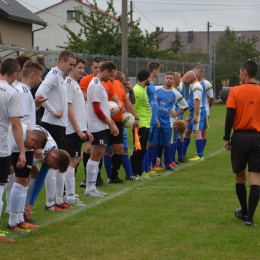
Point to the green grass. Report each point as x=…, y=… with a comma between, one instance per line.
x=186, y=214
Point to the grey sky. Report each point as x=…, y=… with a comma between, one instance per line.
x=184, y=14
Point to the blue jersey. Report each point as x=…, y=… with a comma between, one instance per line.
x=166, y=100
x=152, y=101
x=196, y=92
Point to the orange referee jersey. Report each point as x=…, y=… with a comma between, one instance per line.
x=84, y=82
x=245, y=99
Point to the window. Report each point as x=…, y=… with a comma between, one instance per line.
x=71, y=15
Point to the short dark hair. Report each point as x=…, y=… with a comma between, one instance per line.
x=199, y=67
x=63, y=159
x=153, y=65
x=31, y=66
x=250, y=67
x=41, y=138
x=119, y=76
x=108, y=65
x=40, y=58
x=9, y=66
x=79, y=59
x=65, y=55
x=97, y=60
x=169, y=73
x=22, y=59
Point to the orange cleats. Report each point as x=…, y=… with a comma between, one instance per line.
x=28, y=225
x=158, y=168
x=64, y=205
x=54, y=207
x=173, y=164
x=7, y=240
x=18, y=228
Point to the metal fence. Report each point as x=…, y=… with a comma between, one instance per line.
x=134, y=64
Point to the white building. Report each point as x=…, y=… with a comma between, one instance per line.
x=59, y=14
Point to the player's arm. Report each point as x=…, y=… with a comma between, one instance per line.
x=129, y=108
x=129, y=86
x=75, y=123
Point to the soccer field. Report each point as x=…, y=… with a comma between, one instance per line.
x=185, y=214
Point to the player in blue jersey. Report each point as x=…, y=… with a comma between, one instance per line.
x=196, y=120
x=209, y=98
x=167, y=98
x=154, y=68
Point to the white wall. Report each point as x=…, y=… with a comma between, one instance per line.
x=53, y=35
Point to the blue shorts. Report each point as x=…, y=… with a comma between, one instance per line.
x=202, y=121
x=153, y=134
x=125, y=140
x=163, y=136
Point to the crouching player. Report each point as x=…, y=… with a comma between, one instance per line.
x=51, y=158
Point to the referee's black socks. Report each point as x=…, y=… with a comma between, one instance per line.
x=241, y=195
x=253, y=201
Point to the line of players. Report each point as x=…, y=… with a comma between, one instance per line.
x=61, y=98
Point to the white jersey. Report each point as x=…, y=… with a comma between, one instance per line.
x=29, y=118
x=97, y=93
x=209, y=94
x=14, y=147
x=10, y=106
x=15, y=83
x=50, y=145
x=53, y=87
x=76, y=99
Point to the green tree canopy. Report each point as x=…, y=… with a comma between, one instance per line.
x=234, y=80
x=232, y=51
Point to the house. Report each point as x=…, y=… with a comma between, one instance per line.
x=60, y=14
x=200, y=39
x=16, y=23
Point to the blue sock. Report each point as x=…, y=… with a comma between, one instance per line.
x=108, y=166
x=173, y=152
x=167, y=156
x=127, y=165
x=204, y=143
x=186, y=142
x=151, y=150
x=199, y=147
x=154, y=155
x=180, y=150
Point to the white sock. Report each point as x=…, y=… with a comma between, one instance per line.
x=21, y=211
x=59, y=187
x=15, y=200
x=50, y=185
x=97, y=170
x=2, y=188
x=70, y=184
x=29, y=191
x=8, y=187
x=91, y=175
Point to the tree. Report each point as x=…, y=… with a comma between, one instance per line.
x=218, y=85
x=234, y=80
x=177, y=45
x=232, y=51
x=101, y=33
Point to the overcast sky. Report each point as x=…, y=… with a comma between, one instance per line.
x=184, y=14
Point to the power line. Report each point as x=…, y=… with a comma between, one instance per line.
x=144, y=16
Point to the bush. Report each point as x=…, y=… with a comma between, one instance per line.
x=219, y=85
x=234, y=80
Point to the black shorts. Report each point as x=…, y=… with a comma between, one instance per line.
x=73, y=143
x=5, y=163
x=245, y=150
x=26, y=170
x=119, y=138
x=101, y=138
x=58, y=133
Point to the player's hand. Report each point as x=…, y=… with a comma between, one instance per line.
x=81, y=135
x=188, y=121
x=28, y=211
x=59, y=113
x=195, y=119
x=39, y=101
x=37, y=153
x=227, y=145
x=172, y=113
x=157, y=123
x=128, y=85
x=114, y=111
x=90, y=137
x=21, y=161
x=114, y=130
x=136, y=124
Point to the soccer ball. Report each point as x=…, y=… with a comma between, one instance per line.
x=128, y=120
x=112, y=104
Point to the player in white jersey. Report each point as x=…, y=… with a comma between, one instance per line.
x=98, y=113
x=33, y=139
x=55, y=118
x=11, y=111
x=50, y=158
x=209, y=98
x=76, y=131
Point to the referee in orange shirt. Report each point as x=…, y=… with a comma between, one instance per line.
x=243, y=106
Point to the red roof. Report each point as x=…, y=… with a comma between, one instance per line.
x=81, y=2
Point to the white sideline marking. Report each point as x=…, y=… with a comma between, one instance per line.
x=76, y=210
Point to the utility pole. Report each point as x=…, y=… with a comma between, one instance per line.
x=124, y=38
x=131, y=14
x=208, y=37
